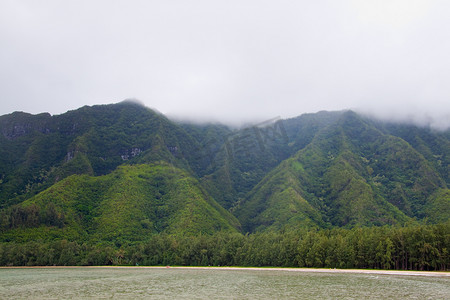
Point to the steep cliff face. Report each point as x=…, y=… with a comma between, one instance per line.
x=39, y=150
x=19, y=124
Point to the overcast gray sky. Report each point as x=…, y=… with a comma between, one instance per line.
x=229, y=60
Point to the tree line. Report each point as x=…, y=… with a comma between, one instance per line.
x=422, y=247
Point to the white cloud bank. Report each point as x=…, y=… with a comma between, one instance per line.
x=231, y=60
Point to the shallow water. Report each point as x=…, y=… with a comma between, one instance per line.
x=175, y=283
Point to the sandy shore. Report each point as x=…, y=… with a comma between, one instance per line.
x=313, y=270
x=304, y=270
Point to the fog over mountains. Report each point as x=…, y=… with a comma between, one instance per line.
x=233, y=62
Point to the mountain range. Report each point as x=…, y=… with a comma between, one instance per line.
x=123, y=172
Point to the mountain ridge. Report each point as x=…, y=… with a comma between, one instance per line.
x=323, y=170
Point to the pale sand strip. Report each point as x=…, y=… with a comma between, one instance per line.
x=313, y=270
x=304, y=270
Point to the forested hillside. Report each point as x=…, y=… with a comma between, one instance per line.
x=350, y=174
x=122, y=174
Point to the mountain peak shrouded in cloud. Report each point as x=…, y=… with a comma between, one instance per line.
x=133, y=101
x=233, y=62
x=433, y=117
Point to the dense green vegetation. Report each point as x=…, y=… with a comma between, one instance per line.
x=129, y=204
x=120, y=183
x=423, y=247
x=351, y=174
x=38, y=151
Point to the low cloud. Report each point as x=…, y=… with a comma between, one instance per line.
x=234, y=61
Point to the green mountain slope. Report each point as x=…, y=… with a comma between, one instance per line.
x=240, y=159
x=351, y=174
x=131, y=203
x=41, y=150
x=123, y=172
x=433, y=145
